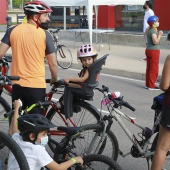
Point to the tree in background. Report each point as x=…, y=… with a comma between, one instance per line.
x=18, y=3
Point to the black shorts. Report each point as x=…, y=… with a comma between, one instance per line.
x=28, y=96
x=165, y=118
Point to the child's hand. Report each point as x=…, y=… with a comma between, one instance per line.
x=79, y=160
x=160, y=33
x=17, y=104
x=67, y=80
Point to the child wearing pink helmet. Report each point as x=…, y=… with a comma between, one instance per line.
x=86, y=54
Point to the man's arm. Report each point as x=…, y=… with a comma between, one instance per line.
x=3, y=49
x=52, y=62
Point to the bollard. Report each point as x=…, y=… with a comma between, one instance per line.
x=9, y=21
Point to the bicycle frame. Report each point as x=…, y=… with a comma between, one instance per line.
x=6, y=88
x=117, y=114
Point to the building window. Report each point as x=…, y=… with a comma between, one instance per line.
x=129, y=18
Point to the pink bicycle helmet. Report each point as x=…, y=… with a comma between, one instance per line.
x=86, y=51
x=36, y=7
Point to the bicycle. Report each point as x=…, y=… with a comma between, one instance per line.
x=141, y=147
x=8, y=144
x=83, y=114
x=63, y=54
x=64, y=149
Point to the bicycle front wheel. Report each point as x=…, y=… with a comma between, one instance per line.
x=4, y=108
x=83, y=114
x=99, y=162
x=88, y=142
x=167, y=159
x=64, y=56
x=8, y=144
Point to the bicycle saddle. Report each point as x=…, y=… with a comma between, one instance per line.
x=69, y=130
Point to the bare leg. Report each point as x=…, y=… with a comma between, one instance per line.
x=162, y=148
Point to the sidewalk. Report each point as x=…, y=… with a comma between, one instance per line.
x=123, y=60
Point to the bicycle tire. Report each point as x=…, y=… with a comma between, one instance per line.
x=110, y=146
x=64, y=56
x=4, y=108
x=95, y=160
x=88, y=114
x=153, y=148
x=10, y=144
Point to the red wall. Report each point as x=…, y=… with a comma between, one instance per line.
x=106, y=17
x=162, y=9
x=3, y=12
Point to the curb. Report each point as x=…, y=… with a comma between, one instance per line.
x=114, y=72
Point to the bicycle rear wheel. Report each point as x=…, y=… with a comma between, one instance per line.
x=99, y=162
x=4, y=108
x=83, y=113
x=64, y=56
x=10, y=145
x=89, y=138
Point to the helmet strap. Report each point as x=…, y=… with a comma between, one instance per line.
x=36, y=21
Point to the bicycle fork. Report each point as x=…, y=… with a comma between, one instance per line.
x=106, y=123
x=100, y=143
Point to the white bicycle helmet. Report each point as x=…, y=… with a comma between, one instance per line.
x=36, y=7
x=86, y=51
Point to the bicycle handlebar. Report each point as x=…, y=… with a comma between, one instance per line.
x=117, y=101
x=6, y=59
x=59, y=83
x=6, y=78
x=56, y=31
x=35, y=105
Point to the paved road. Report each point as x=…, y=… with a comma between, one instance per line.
x=138, y=97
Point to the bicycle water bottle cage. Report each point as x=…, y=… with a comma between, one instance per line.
x=147, y=132
x=158, y=102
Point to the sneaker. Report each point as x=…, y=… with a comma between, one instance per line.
x=143, y=59
x=146, y=87
x=155, y=88
x=158, y=80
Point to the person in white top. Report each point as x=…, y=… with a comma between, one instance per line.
x=148, y=12
x=32, y=139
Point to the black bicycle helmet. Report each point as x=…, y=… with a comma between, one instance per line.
x=33, y=122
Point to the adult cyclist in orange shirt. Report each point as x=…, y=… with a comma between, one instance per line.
x=30, y=43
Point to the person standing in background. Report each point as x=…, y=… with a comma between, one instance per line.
x=148, y=12
x=152, y=52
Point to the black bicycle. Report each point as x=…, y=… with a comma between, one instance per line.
x=9, y=146
x=64, y=56
x=64, y=151
x=68, y=147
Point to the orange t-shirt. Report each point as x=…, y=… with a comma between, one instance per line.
x=29, y=46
